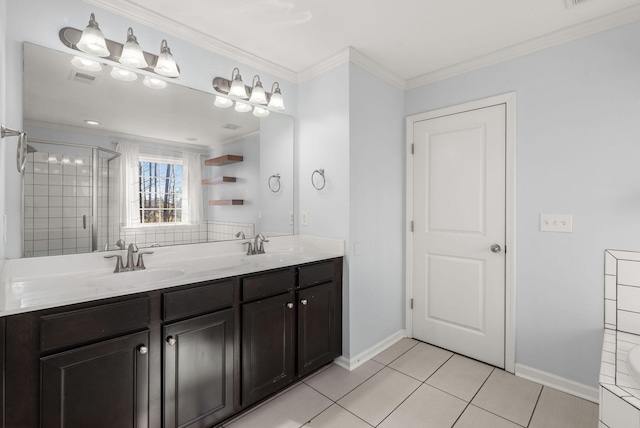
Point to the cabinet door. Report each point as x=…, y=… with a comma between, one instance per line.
x=267, y=346
x=198, y=370
x=102, y=385
x=316, y=327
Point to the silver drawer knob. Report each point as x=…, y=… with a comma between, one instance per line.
x=143, y=349
x=290, y=305
x=171, y=340
x=303, y=301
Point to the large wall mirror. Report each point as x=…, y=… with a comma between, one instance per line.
x=77, y=196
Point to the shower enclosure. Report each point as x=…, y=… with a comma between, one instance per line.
x=70, y=199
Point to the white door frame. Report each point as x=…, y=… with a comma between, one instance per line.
x=509, y=99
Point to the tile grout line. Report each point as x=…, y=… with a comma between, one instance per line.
x=536, y=405
x=469, y=402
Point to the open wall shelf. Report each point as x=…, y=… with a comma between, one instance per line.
x=224, y=160
x=219, y=180
x=227, y=202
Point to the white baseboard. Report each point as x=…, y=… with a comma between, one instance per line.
x=353, y=363
x=562, y=384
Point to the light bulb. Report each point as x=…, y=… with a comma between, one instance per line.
x=86, y=64
x=257, y=92
x=166, y=65
x=124, y=75
x=132, y=54
x=237, y=88
x=154, y=83
x=92, y=41
x=242, y=107
x=222, y=102
x=260, y=112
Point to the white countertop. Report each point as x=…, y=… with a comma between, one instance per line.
x=38, y=283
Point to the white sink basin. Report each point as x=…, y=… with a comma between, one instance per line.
x=136, y=278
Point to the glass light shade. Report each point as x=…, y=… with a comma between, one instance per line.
x=86, y=64
x=92, y=41
x=276, y=102
x=124, y=75
x=132, y=54
x=153, y=83
x=242, y=107
x=222, y=102
x=260, y=112
x=166, y=65
x=237, y=88
x=257, y=93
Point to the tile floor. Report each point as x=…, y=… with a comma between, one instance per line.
x=413, y=384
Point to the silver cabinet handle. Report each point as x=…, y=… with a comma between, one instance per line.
x=303, y=301
x=143, y=349
x=171, y=340
x=496, y=248
x=290, y=305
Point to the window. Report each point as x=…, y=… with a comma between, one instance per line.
x=161, y=187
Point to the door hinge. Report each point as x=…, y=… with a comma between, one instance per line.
x=412, y=225
x=505, y=249
x=411, y=304
x=412, y=148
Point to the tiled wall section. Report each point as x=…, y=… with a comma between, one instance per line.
x=57, y=194
x=226, y=231
x=619, y=392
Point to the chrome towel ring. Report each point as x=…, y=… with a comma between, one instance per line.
x=320, y=172
x=274, y=183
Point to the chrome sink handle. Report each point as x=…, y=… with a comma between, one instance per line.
x=258, y=246
x=131, y=250
x=119, y=266
x=249, y=248
x=140, y=264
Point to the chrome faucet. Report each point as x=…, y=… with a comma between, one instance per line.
x=241, y=235
x=131, y=250
x=258, y=244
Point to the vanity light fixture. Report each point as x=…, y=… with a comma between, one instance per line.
x=237, y=88
x=128, y=54
x=242, y=107
x=154, y=83
x=92, y=40
x=122, y=74
x=166, y=65
x=92, y=122
x=86, y=64
x=222, y=102
x=276, y=102
x=260, y=112
x=258, y=95
x=132, y=54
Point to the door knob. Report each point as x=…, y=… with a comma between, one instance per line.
x=496, y=248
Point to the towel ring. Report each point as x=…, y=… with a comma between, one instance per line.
x=324, y=180
x=22, y=145
x=274, y=183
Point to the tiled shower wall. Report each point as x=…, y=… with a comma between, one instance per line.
x=57, y=194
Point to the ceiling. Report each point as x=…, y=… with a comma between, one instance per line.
x=416, y=41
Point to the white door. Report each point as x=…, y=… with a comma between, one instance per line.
x=459, y=232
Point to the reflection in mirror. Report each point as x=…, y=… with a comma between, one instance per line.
x=85, y=191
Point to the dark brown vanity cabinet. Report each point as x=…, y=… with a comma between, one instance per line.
x=181, y=357
x=198, y=356
x=102, y=385
x=289, y=335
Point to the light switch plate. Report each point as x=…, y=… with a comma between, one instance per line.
x=556, y=223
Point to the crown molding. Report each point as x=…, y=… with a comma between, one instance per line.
x=356, y=57
x=152, y=19
x=587, y=28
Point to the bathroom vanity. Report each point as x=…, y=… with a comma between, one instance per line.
x=174, y=352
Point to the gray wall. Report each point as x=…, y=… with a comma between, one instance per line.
x=577, y=153
x=3, y=106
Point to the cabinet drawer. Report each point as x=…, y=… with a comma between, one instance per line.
x=198, y=300
x=259, y=286
x=316, y=273
x=92, y=324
